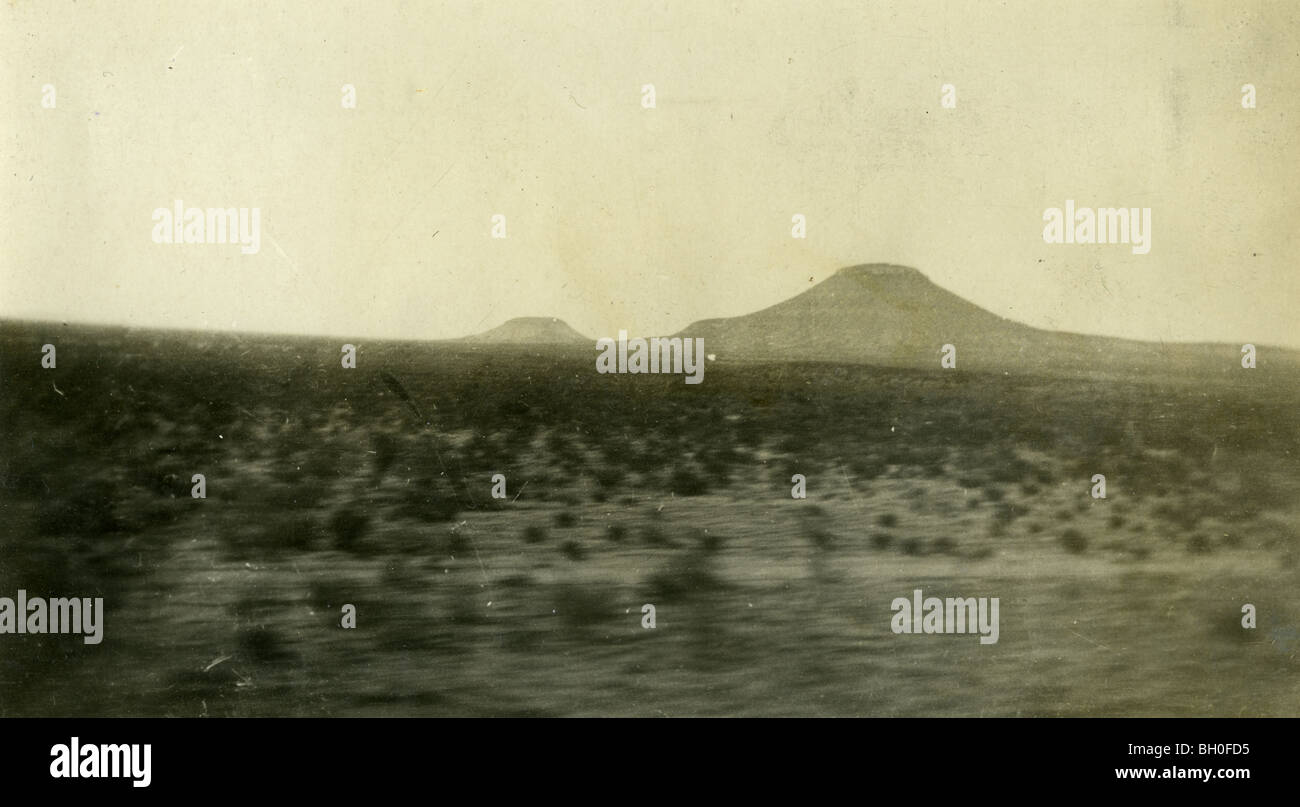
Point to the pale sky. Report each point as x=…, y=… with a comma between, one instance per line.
x=376, y=221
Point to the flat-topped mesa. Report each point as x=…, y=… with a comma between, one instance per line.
x=880, y=270
x=879, y=313
x=531, y=330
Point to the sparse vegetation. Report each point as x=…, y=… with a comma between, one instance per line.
x=323, y=491
x=688, y=482
x=348, y=525
x=1074, y=541
x=572, y=550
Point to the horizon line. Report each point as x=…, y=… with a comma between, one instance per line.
x=6, y=320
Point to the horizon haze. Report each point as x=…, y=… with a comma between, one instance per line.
x=376, y=221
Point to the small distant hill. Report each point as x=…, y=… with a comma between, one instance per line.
x=531, y=331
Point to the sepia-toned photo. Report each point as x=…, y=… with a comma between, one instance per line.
x=708, y=359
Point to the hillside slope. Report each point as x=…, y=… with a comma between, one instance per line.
x=530, y=331
x=894, y=315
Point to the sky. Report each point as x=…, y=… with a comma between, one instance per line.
x=376, y=221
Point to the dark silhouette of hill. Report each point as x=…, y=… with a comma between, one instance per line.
x=531, y=331
x=894, y=315
x=872, y=314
